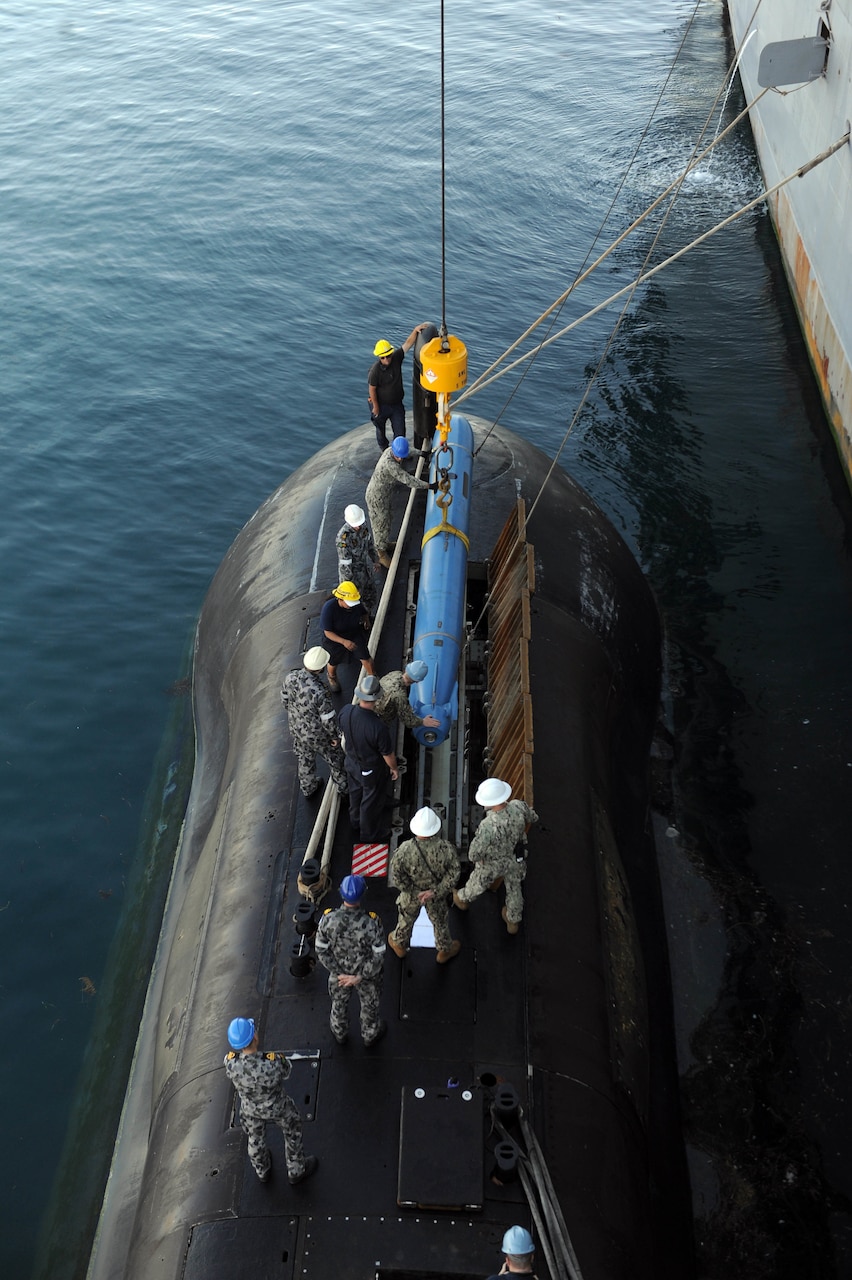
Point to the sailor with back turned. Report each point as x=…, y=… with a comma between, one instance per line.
x=350, y=944
x=313, y=723
x=259, y=1080
x=497, y=850
x=518, y=1254
x=370, y=763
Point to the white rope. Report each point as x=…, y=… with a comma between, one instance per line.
x=667, y=262
x=480, y=381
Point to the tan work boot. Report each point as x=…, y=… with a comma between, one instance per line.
x=396, y=948
x=384, y=558
x=510, y=925
x=453, y=950
x=462, y=906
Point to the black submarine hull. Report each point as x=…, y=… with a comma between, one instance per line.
x=562, y=1010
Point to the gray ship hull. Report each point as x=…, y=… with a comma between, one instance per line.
x=812, y=215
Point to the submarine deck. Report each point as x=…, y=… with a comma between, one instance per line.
x=402, y=1128
x=404, y=1187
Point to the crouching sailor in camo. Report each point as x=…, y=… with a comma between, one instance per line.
x=350, y=943
x=498, y=850
x=357, y=560
x=313, y=722
x=259, y=1080
x=394, y=704
x=425, y=870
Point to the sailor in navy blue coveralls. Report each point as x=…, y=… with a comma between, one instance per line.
x=370, y=761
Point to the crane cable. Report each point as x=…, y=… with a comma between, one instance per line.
x=443, y=189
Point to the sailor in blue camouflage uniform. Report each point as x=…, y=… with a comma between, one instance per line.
x=425, y=869
x=388, y=473
x=313, y=722
x=350, y=944
x=259, y=1080
x=393, y=703
x=498, y=850
x=357, y=560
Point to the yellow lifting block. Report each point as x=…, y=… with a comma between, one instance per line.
x=443, y=365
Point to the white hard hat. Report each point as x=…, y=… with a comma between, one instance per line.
x=491, y=792
x=354, y=515
x=425, y=822
x=317, y=658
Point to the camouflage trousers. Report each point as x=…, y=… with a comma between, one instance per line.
x=290, y=1123
x=306, y=755
x=380, y=523
x=437, y=910
x=364, y=578
x=484, y=875
x=369, y=990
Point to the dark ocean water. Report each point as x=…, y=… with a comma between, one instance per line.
x=209, y=214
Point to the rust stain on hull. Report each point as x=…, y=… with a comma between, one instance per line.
x=828, y=358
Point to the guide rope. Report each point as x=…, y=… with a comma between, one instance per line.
x=667, y=262
x=494, y=373
x=484, y=379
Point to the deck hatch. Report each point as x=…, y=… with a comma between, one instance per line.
x=302, y=1083
x=440, y=1149
x=256, y=1246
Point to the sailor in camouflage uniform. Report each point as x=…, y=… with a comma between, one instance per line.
x=393, y=703
x=388, y=473
x=493, y=850
x=350, y=943
x=425, y=870
x=259, y=1080
x=357, y=560
x=313, y=722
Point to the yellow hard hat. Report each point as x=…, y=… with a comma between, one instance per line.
x=347, y=591
x=383, y=348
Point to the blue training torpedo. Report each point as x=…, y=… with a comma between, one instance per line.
x=439, y=627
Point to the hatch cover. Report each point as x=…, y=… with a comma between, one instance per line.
x=245, y=1246
x=440, y=1149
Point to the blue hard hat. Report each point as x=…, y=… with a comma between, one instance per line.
x=417, y=670
x=353, y=888
x=241, y=1032
x=399, y=447
x=518, y=1241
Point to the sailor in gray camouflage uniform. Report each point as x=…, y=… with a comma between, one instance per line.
x=313, y=722
x=259, y=1080
x=493, y=850
x=357, y=560
x=393, y=703
x=350, y=943
x=389, y=472
x=425, y=870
